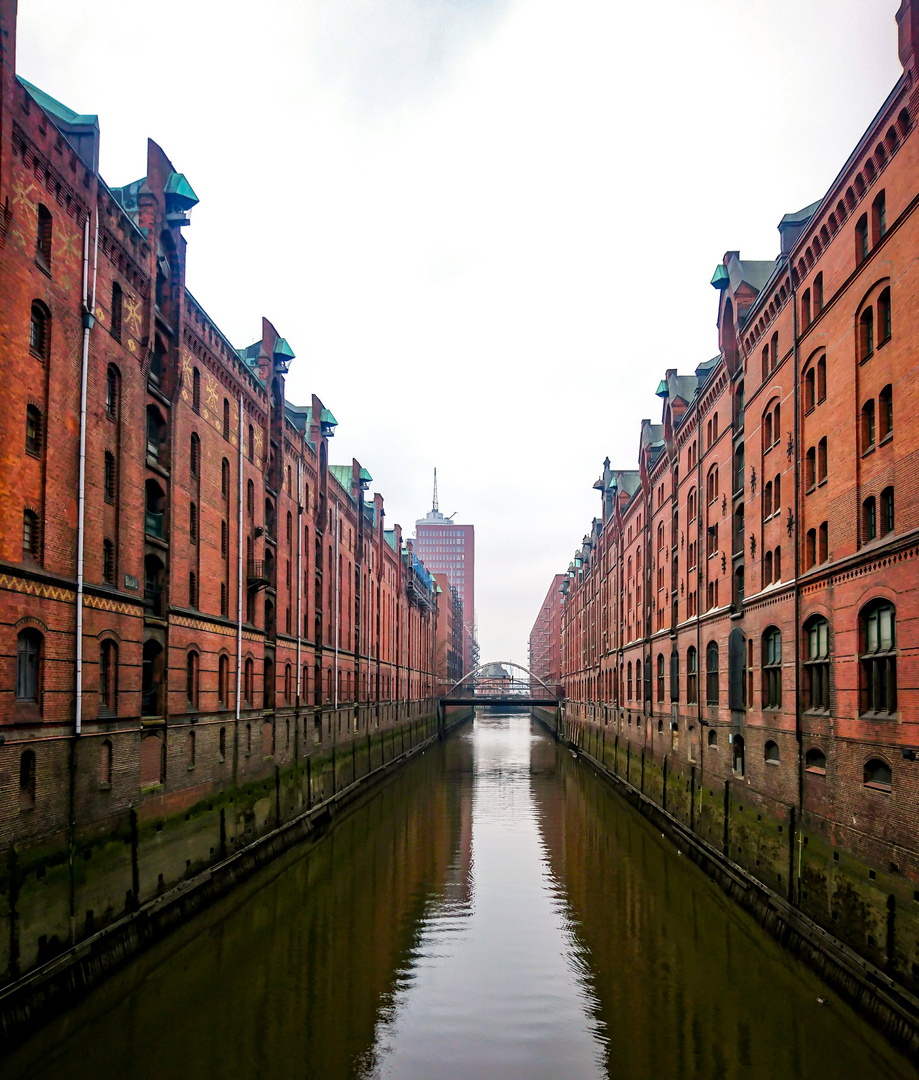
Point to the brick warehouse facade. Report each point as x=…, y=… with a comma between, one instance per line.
x=740, y=627
x=244, y=611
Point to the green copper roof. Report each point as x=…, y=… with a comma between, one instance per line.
x=328, y=418
x=365, y=476
x=180, y=191
x=55, y=108
x=720, y=278
x=342, y=474
x=662, y=390
x=283, y=350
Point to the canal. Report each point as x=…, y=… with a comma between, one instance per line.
x=492, y=910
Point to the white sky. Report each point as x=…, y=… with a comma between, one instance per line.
x=486, y=227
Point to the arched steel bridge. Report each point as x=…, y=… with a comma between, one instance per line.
x=499, y=683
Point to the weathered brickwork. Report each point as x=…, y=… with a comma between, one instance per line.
x=244, y=609
x=739, y=629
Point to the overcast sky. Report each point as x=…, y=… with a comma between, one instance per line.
x=485, y=226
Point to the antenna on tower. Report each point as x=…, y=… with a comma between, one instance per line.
x=435, y=489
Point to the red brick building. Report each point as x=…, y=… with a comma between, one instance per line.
x=191, y=596
x=544, y=646
x=743, y=613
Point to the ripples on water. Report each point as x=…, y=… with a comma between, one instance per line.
x=493, y=910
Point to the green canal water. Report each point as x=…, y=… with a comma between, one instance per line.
x=494, y=910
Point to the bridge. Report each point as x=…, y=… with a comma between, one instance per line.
x=502, y=683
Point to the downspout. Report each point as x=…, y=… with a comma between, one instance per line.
x=88, y=320
x=797, y=565
x=239, y=587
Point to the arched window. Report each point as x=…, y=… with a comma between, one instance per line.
x=867, y=426
x=674, y=674
x=660, y=676
x=821, y=460
x=771, y=752
x=861, y=240
x=887, y=518
x=156, y=433
x=712, y=739
x=196, y=390
x=249, y=681
x=112, y=392
x=884, y=319
x=29, y=644
x=108, y=562
x=806, y=309
x=885, y=412
x=878, y=658
x=251, y=443
x=109, y=481
x=105, y=763
x=40, y=331
x=810, y=469
x=31, y=535
x=27, y=779
x=817, y=663
x=869, y=519
x=226, y=418
x=225, y=478
x=878, y=775
x=821, y=379
x=691, y=676
x=250, y=498
x=767, y=430
x=115, y=323
x=108, y=675
x=810, y=549
x=43, y=237
x=154, y=509
x=737, y=755
x=823, y=541
x=774, y=351
x=33, y=431
x=223, y=680
x=288, y=682
x=810, y=388
x=772, y=668
x=629, y=682
x=711, y=673
x=191, y=679
x=737, y=669
x=866, y=334
x=767, y=501
x=190, y=749
x=639, y=688
x=194, y=456
x=268, y=684
x=815, y=761
x=152, y=679
x=767, y=568
x=818, y=291
x=879, y=217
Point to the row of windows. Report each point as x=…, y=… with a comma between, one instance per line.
x=877, y=667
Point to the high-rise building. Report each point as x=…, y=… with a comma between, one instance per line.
x=447, y=548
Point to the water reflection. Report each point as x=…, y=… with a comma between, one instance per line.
x=493, y=910
x=495, y=986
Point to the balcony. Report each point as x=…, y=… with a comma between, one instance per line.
x=260, y=574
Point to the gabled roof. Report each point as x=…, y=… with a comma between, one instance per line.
x=746, y=272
